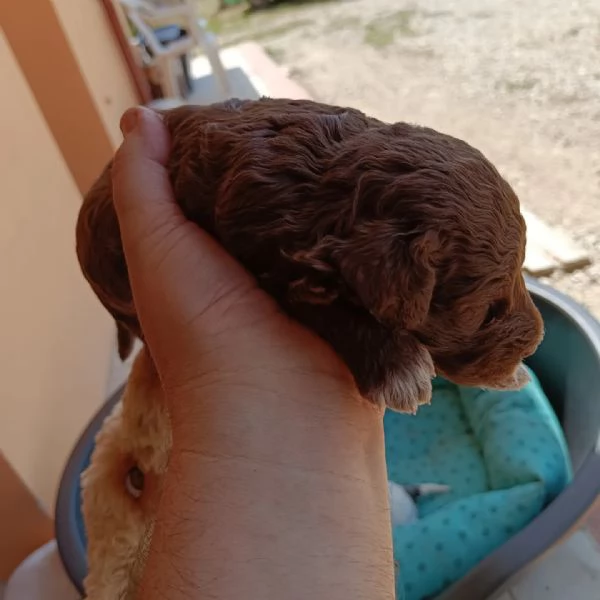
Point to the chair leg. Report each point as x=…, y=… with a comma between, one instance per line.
x=219, y=71
x=187, y=78
x=211, y=48
x=169, y=77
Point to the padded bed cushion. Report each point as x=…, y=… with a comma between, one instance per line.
x=505, y=458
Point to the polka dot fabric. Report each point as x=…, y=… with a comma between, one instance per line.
x=505, y=458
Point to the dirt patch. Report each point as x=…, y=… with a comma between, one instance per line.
x=382, y=31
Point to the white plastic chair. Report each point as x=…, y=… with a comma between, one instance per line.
x=145, y=17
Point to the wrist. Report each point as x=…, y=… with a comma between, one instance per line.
x=255, y=492
x=305, y=428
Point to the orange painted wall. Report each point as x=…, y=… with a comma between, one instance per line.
x=101, y=63
x=58, y=126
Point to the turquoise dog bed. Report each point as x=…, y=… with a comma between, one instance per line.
x=505, y=458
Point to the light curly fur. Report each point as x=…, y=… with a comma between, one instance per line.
x=119, y=526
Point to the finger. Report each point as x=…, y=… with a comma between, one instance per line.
x=142, y=192
x=177, y=271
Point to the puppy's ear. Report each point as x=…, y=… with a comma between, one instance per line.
x=393, y=277
x=125, y=341
x=102, y=261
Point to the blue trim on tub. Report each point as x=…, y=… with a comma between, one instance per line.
x=71, y=538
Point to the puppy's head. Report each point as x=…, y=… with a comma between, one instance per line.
x=438, y=252
x=122, y=486
x=481, y=326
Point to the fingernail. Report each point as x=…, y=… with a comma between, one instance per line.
x=129, y=120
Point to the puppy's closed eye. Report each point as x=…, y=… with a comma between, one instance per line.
x=496, y=311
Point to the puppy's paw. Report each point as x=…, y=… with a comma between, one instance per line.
x=407, y=383
x=404, y=392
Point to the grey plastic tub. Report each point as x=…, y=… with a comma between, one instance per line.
x=568, y=366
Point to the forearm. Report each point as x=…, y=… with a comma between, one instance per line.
x=290, y=506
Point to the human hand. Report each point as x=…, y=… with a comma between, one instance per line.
x=276, y=485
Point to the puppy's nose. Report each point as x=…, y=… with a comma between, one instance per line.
x=535, y=325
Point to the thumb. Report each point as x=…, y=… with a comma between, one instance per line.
x=177, y=271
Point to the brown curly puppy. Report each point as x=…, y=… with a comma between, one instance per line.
x=400, y=246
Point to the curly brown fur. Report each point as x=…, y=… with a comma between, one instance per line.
x=400, y=246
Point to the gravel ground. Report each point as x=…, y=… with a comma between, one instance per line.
x=519, y=79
